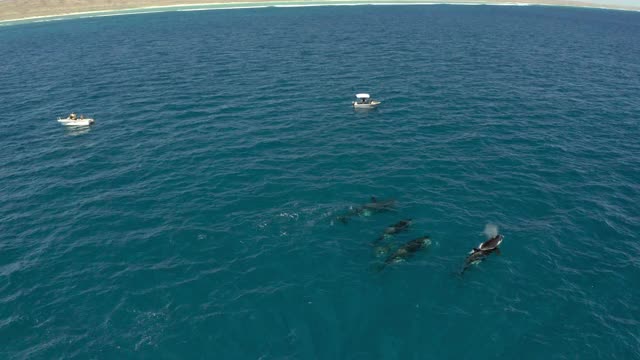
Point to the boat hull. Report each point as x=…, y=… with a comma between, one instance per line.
x=370, y=105
x=78, y=122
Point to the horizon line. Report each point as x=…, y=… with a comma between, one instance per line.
x=237, y=5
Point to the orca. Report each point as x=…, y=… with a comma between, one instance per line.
x=369, y=208
x=482, y=251
x=407, y=250
x=400, y=226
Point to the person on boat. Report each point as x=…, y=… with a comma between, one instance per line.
x=81, y=117
x=72, y=116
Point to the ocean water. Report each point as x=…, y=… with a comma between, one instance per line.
x=197, y=218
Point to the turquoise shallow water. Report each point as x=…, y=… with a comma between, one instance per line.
x=196, y=219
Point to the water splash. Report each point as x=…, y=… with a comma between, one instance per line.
x=490, y=230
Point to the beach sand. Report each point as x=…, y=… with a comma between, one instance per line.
x=25, y=9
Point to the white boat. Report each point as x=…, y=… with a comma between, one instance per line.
x=365, y=102
x=76, y=122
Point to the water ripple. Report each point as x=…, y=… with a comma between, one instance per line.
x=198, y=216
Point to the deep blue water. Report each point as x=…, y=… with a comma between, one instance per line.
x=196, y=219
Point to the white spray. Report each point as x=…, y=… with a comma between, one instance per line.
x=490, y=231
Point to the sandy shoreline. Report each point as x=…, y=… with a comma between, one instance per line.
x=34, y=10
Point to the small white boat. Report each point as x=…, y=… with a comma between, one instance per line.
x=365, y=102
x=76, y=122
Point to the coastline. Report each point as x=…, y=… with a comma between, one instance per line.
x=84, y=11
